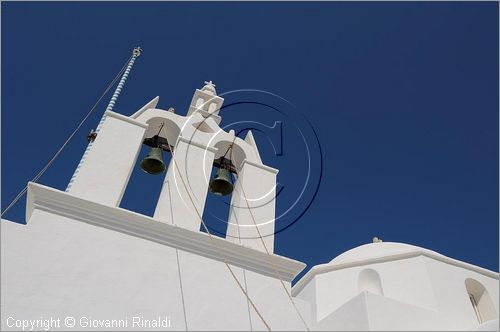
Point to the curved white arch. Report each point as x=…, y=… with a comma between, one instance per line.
x=369, y=281
x=480, y=301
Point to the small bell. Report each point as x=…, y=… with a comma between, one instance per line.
x=153, y=163
x=221, y=185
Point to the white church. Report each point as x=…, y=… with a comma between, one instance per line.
x=81, y=262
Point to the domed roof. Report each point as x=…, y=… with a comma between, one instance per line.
x=377, y=250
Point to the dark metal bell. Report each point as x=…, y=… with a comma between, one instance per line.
x=221, y=185
x=153, y=163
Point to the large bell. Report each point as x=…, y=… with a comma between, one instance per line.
x=153, y=163
x=221, y=185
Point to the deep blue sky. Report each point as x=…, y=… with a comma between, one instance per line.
x=403, y=98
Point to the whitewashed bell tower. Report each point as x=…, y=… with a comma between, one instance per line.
x=118, y=263
x=196, y=140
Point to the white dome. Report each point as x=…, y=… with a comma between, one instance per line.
x=377, y=250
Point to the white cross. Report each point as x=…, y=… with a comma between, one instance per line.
x=210, y=83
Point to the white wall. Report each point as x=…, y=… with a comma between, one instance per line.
x=253, y=204
x=104, y=172
x=184, y=191
x=56, y=266
x=453, y=302
x=419, y=293
x=405, y=281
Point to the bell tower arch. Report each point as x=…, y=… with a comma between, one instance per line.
x=197, y=143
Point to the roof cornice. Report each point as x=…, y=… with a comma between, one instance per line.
x=324, y=268
x=134, y=224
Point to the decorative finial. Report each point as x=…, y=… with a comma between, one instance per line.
x=376, y=240
x=137, y=51
x=210, y=83
x=209, y=87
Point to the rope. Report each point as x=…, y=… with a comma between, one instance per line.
x=248, y=304
x=244, y=276
x=42, y=171
x=265, y=247
x=223, y=257
x=260, y=237
x=182, y=290
x=178, y=261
